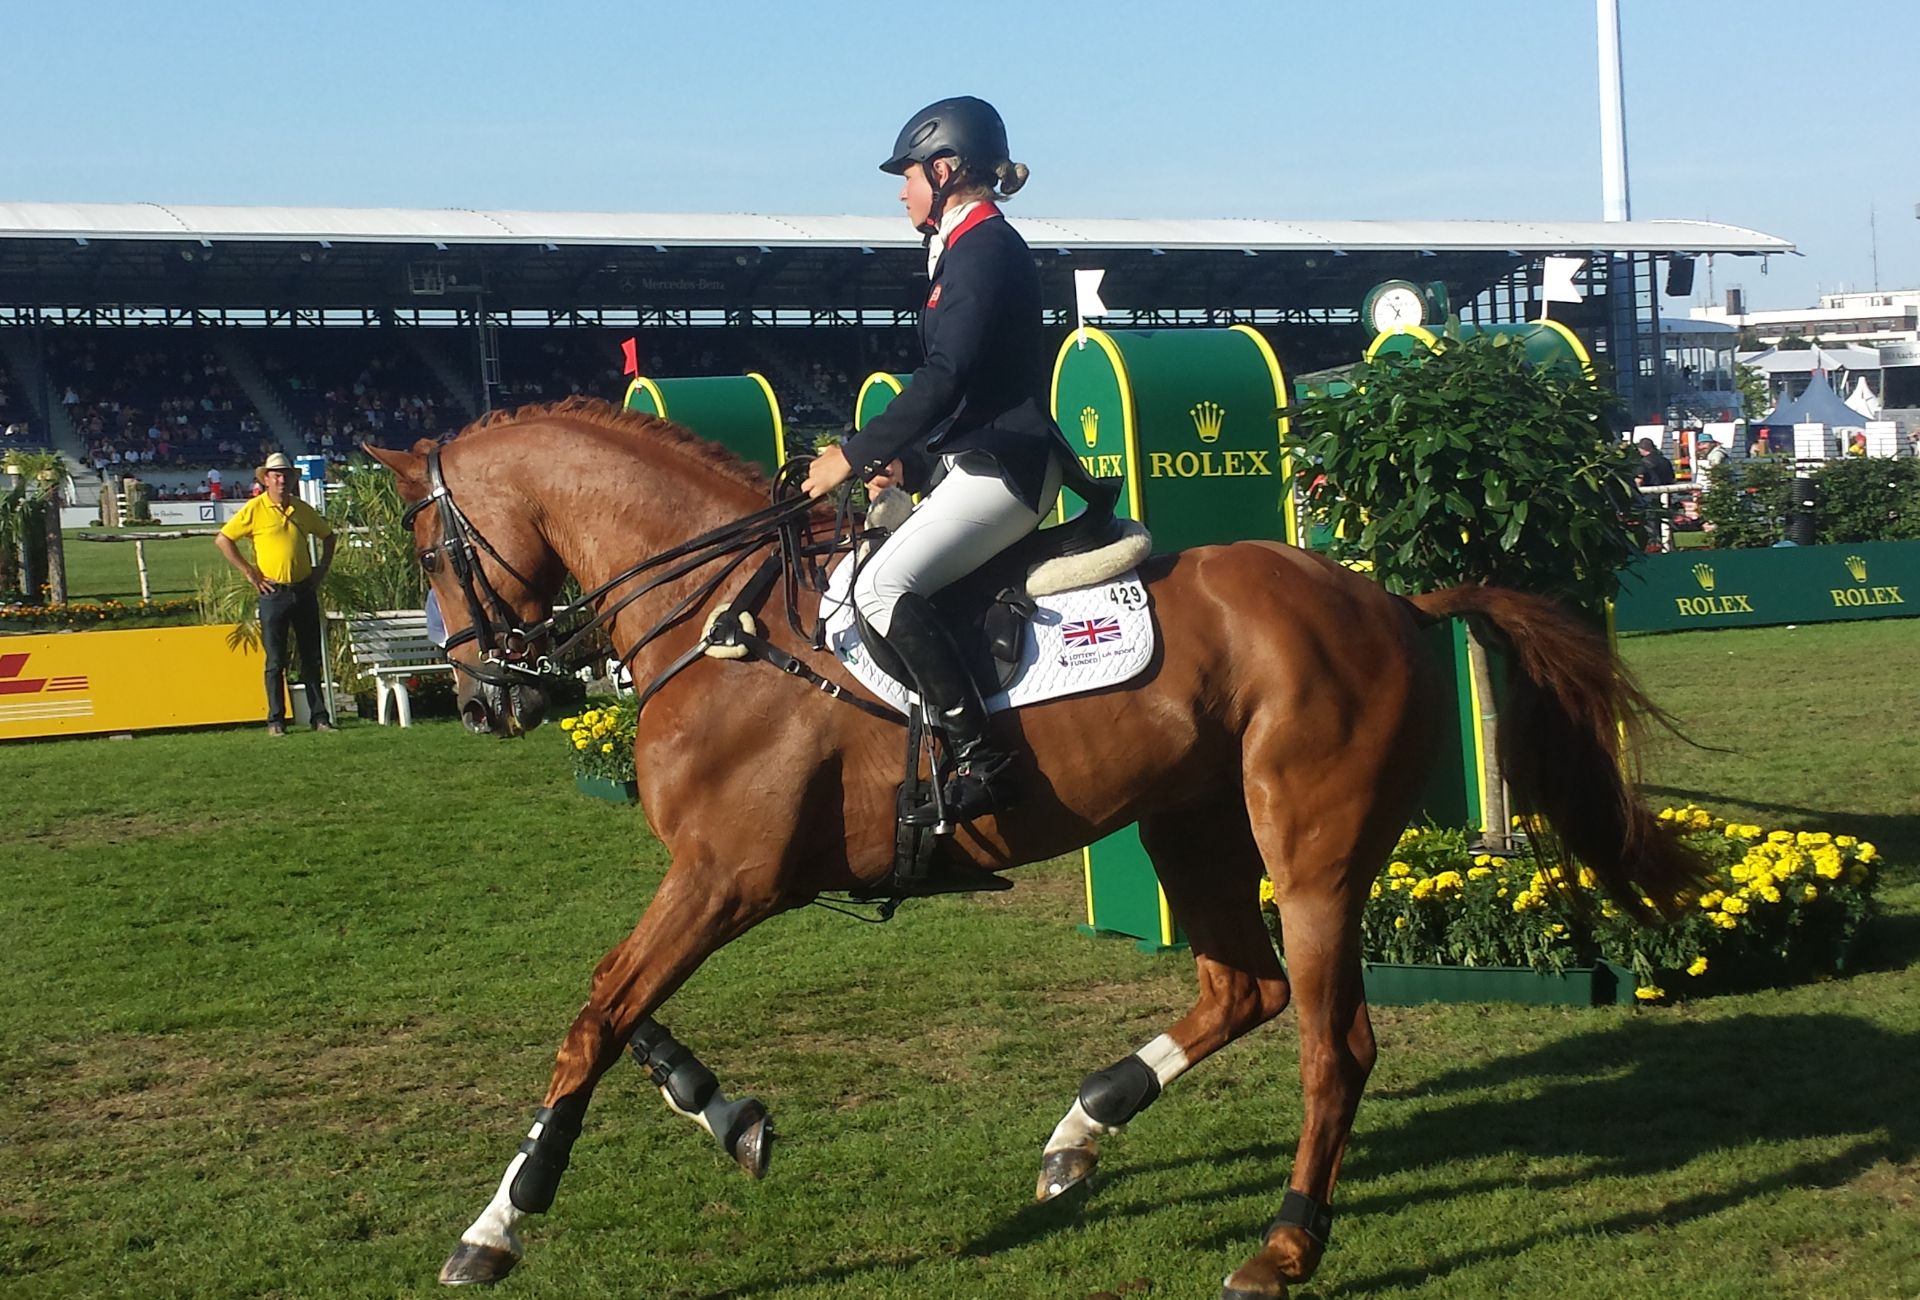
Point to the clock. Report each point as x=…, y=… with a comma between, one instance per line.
x=1394, y=304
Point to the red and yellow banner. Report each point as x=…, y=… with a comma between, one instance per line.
x=78, y=683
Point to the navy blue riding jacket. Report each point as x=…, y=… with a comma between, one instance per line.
x=983, y=385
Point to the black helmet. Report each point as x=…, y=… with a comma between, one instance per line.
x=962, y=127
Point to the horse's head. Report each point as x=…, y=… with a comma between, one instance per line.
x=493, y=575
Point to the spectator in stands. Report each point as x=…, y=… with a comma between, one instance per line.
x=213, y=485
x=977, y=405
x=278, y=524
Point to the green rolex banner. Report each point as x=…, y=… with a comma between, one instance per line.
x=1781, y=584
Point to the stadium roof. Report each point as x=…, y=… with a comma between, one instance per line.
x=473, y=226
x=59, y=259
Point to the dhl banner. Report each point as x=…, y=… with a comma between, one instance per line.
x=78, y=683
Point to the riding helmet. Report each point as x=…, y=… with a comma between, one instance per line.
x=963, y=127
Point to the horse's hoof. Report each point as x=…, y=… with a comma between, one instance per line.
x=1229, y=1291
x=472, y=1265
x=752, y=1145
x=1063, y=1170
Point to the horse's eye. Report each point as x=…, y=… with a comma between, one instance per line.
x=429, y=560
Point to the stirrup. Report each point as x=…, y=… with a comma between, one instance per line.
x=977, y=788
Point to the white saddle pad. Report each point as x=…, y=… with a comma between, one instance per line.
x=1081, y=640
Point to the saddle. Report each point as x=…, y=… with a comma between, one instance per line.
x=990, y=611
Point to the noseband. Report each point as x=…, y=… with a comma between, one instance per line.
x=506, y=650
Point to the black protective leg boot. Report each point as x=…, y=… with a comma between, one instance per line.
x=976, y=786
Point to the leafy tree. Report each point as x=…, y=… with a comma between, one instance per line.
x=1755, y=399
x=1468, y=465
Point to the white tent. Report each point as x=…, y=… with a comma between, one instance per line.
x=1863, y=400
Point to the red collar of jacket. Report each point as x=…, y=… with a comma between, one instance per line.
x=985, y=212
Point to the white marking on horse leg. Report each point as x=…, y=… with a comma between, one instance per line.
x=1164, y=1057
x=699, y=1117
x=1079, y=1129
x=497, y=1223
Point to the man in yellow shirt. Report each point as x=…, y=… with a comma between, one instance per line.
x=278, y=522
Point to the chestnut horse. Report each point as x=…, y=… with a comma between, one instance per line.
x=1286, y=727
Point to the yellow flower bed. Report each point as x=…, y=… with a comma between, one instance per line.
x=1779, y=905
x=600, y=739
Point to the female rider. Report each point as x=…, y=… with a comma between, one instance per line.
x=972, y=423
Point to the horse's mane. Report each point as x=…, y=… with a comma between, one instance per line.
x=652, y=430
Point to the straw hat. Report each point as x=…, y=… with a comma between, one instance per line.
x=278, y=460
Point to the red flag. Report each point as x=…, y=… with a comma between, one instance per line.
x=631, y=351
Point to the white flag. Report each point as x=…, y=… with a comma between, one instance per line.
x=1556, y=279
x=1086, y=300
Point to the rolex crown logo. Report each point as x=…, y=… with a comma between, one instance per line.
x=1703, y=574
x=1207, y=418
x=1857, y=567
x=1090, y=425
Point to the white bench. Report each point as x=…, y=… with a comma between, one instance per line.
x=391, y=645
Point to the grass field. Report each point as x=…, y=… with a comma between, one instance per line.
x=278, y=1012
x=108, y=570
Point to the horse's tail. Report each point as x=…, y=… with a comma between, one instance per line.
x=1563, y=750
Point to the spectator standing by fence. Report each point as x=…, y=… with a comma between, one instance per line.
x=279, y=523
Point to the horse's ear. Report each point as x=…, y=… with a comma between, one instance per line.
x=409, y=467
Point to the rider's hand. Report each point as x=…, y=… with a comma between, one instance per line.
x=886, y=478
x=828, y=471
x=260, y=583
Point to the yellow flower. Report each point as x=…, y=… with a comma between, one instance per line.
x=1724, y=921
x=607, y=748
x=1698, y=967
x=1734, y=906
x=1779, y=837
x=1808, y=893
x=1447, y=881
x=1482, y=859
x=1399, y=922
x=1741, y=871
x=1479, y=873
x=1396, y=885
x=1867, y=852
x=1649, y=993
x=1371, y=893
x=1557, y=928
x=1399, y=869
x=1770, y=894
x=1709, y=901
x=566, y=724
x=582, y=740
x=1845, y=841
x=1422, y=888
x=1587, y=879
x=1667, y=814
x=1829, y=869
x=590, y=717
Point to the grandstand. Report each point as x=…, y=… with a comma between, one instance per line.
x=216, y=333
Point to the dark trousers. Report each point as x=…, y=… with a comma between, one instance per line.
x=293, y=608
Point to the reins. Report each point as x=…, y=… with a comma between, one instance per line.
x=795, y=563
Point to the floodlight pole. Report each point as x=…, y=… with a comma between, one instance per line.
x=1617, y=204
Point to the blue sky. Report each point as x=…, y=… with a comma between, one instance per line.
x=1790, y=118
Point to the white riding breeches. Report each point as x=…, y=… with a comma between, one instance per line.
x=970, y=517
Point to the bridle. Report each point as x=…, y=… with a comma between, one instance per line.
x=508, y=655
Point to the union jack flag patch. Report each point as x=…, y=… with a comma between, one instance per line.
x=1092, y=631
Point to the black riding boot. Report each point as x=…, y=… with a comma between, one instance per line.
x=976, y=786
